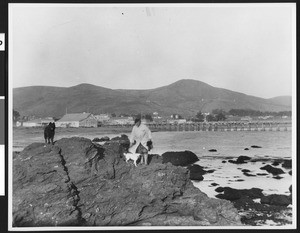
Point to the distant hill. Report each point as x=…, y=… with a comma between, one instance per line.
x=185, y=97
x=282, y=100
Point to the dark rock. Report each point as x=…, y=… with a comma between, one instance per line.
x=79, y=183
x=275, y=163
x=272, y=170
x=196, y=172
x=245, y=170
x=103, y=139
x=241, y=159
x=214, y=184
x=243, y=202
x=290, y=172
x=235, y=194
x=123, y=140
x=248, y=174
x=246, y=149
x=224, y=161
x=180, y=158
x=290, y=188
x=262, y=174
x=219, y=189
x=276, y=199
x=287, y=164
x=254, y=146
x=212, y=150
x=210, y=171
x=277, y=177
x=153, y=158
x=96, y=140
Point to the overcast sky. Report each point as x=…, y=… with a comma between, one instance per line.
x=241, y=47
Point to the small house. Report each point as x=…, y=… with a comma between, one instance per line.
x=77, y=120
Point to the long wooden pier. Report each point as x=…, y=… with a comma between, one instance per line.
x=224, y=126
x=218, y=126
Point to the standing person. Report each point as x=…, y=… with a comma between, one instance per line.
x=140, y=135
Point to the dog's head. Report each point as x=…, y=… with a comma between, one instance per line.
x=149, y=145
x=51, y=126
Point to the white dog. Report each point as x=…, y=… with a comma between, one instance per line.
x=132, y=156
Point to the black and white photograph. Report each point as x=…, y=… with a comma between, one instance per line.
x=152, y=116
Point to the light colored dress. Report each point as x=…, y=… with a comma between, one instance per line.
x=141, y=135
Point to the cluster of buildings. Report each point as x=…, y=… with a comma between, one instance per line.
x=90, y=120
x=84, y=119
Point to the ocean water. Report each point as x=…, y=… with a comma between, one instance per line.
x=274, y=145
x=233, y=143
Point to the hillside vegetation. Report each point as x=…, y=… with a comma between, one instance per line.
x=185, y=97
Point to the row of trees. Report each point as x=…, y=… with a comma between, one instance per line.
x=220, y=114
x=251, y=112
x=214, y=116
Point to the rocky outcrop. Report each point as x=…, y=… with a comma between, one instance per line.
x=196, y=172
x=235, y=194
x=103, y=139
x=264, y=208
x=287, y=163
x=180, y=158
x=123, y=140
x=78, y=183
x=272, y=170
x=241, y=159
x=276, y=199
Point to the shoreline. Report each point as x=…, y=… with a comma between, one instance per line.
x=225, y=175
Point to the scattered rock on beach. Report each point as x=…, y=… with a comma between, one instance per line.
x=290, y=172
x=275, y=163
x=248, y=174
x=235, y=194
x=254, y=146
x=272, y=170
x=219, y=189
x=241, y=159
x=277, y=177
x=212, y=150
x=276, y=199
x=287, y=163
x=214, y=184
x=197, y=172
x=262, y=174
x=245, y=170
x=78, y=183
x=240, y=180
x=246, y=149
x=180, y=158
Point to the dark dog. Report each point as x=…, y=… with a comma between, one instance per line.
x=49, y=132
x=149, y=145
